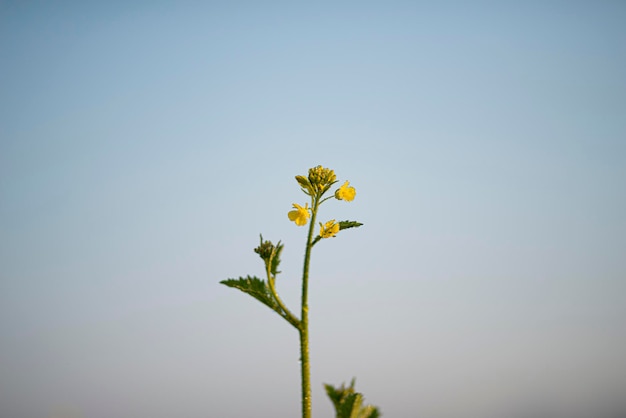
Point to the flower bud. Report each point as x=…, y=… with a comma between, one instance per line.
x=304, y=183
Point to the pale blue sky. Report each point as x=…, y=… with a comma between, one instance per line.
x=145, y=145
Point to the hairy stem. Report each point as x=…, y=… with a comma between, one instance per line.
x=305, y=366
x=284, y=312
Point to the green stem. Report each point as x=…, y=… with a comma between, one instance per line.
x=284, y=312
x=305, y=366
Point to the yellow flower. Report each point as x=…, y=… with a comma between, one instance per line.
x=329, y=229
x=346, y=192
x=300, y=215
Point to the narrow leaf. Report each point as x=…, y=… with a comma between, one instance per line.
x=349, y=224
x=276, y=259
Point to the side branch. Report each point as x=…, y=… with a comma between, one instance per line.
x=282, y=311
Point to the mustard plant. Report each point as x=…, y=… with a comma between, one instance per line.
x=348, y=404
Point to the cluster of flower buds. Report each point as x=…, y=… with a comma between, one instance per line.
x=318, y=182
x=265, y=249
x=270, y=254
x=321, y=178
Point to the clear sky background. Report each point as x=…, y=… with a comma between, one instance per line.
x=145, y=145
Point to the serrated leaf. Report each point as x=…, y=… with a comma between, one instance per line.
x=260, y=290
x=370, y=412
x=276, y=259
x=349, y=404
x=256, y=288
x=335, y=395
x=349, y=224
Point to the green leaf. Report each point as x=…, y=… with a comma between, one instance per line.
x=349, y=224
x=256, y=288
x=276, y=259
x=349, y=404
x=370, y=412
x=260, y=290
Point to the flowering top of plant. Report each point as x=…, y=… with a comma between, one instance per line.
x=318, y=182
